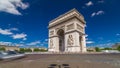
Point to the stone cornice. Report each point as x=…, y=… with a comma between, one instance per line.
x=63, y=21
x=70, y=14
x=73, y=46
x=66, y=14
x=75, y=31
x=53, y=36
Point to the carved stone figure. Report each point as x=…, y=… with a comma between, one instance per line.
x=51, y=43
x=70, y=40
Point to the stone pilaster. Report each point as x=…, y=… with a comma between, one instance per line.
x=83, y=43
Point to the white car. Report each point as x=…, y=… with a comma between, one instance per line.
x=10, y=55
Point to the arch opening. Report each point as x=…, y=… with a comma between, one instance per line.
x=80, y=42
x=60, y=34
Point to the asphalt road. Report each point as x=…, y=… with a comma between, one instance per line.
x=73, y=60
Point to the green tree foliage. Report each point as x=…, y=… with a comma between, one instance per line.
x=25, y=50
x=43, y=50
x=28, y=50
x=107, y=48
x=2, y=49
x=22, y=50
x=36, y=49
x=118, y=48
x=97, y=49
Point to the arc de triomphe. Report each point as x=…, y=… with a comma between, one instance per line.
x=67, y=33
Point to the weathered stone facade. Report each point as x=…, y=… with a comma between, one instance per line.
x=67, y=33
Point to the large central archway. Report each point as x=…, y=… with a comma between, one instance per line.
x=61, y=40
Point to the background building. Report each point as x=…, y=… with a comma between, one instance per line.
x=9, y=47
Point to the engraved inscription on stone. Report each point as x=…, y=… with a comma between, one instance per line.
x=71, y=26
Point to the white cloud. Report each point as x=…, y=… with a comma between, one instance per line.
x=20, y=36
x=46, y=40
x=5, y=43
x=24, y=38
x=89, y=3
x=89, y=42
x=5, y=31
x=100, y=12
x=93, y=14
x=87, y=39
x=105, y=45
x=10, y=6
x=13, y=29
x=9, y=32
x=101, y=1
x=20, y=45
x=97, y=13
x=86, y=35
x=118, y=34
x=22, y=42
x=34, y=43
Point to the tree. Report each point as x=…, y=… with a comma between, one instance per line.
x=97, y=49
x=28, y=50
x=118, y=48
x=36, y=49
x=2, y=49
x=22, y=50
x=107, y=48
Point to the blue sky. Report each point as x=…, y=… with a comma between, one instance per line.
x=25, y=22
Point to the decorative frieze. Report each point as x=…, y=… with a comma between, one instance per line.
x=71, y=26
x=80, y=28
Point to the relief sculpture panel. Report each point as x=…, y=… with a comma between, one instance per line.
x=70, y=40
x=71, y=26
x=51, y=44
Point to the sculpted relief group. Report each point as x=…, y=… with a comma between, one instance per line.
x=67, y=33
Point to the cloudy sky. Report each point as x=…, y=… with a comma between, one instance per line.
x=25, y=22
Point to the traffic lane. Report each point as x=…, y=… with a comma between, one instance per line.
x=65, y=57
x=27, y=57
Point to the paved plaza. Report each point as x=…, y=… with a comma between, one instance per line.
x=73, y=60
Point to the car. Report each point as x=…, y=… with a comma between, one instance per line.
x=11, y=55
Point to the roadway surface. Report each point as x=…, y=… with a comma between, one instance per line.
x=74, y=61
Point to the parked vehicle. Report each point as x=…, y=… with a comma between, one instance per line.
x=11, y=55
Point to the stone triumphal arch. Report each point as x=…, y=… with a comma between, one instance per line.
x=67, y=33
